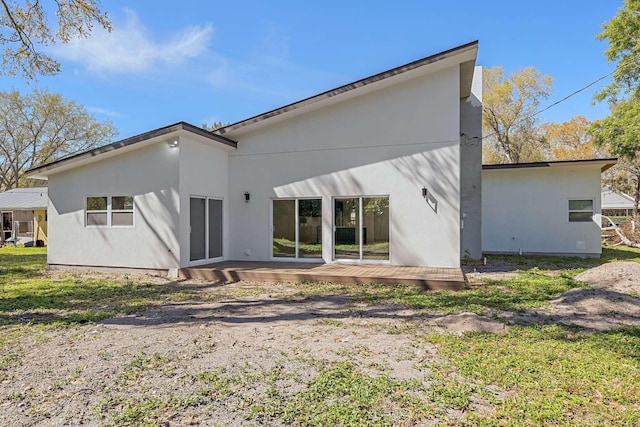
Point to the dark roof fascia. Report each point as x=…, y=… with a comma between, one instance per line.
x=134, y=140
x=608, y=163
x=347, y=87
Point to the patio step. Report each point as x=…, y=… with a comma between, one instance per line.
x=234, y=271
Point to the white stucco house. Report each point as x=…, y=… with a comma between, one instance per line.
x=543, y=207
x=374, y=171
x=387, y=169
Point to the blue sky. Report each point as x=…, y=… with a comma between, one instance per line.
x=204, y=61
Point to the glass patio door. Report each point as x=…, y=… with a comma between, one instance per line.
x=297, y=228
x=361, y=228
x=205, y=221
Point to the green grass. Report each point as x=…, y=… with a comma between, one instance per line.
x=530, y=289
x=552, y=375
x=28, y=295
x=342, y=395
x=531, y=375
x=573, y=264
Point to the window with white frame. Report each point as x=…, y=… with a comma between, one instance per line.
x=109, y=211
x=580, y=210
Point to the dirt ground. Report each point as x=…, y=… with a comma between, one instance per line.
x=611, y=300
x=78, y=376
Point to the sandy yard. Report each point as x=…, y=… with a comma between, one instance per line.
x=219, y=359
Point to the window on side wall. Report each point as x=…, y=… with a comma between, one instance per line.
x=109, y=211
x=581, y=210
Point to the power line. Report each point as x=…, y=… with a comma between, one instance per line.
x=582, y=89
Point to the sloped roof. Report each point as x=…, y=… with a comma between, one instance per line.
x=41, y=172
x=464, y=55
x=604, y=163
x=24, y=198
x=616, y=200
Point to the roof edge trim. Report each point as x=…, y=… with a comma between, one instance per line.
x=348, y=87
x=607, y=163
x=127, y=142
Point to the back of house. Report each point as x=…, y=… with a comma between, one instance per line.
x=384, y=170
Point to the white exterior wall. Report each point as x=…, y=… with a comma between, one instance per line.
x=390, y=142
x=204, y=173
x=150, y=175
x=527, y=209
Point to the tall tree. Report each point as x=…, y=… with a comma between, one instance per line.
x=41, y=127
x=620, y=134
x=622, y=33
x=509, y=124
x=569, y=140
x=27, y=26
x=620, y=131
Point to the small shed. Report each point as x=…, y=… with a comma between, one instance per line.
x=23, y=216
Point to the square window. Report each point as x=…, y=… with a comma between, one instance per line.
x=97, y=219
x=581, y=210
x=122, y=219
x=581, y=205
x=96, y=203
x=120, y=203
x=109, y=211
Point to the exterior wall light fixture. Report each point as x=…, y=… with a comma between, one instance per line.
x=430, y=198
x=247, y=196
x=173, y=144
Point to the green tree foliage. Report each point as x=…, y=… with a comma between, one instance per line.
x=42, y=127
x=624, y=177
x=622, y=33
x=619, y=134
x=28, y=26
x=508, y=121
x=620, y=131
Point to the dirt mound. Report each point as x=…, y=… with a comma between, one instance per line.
x=610, y=303
x=598, y=301
x=470, y=322
x=618, y=276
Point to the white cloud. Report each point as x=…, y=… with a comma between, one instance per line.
x=130, y=48
x=103, y=111
x=273, y=49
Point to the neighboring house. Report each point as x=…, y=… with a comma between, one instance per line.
x=385, y=170
x=615, y=203
x=544, y=207
x=23, y=216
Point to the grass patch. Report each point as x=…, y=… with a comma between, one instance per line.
x=547, y=262
x=552, y=375
x=532, y=375
x=530, y=289
x=343, y=395
x=29, y=295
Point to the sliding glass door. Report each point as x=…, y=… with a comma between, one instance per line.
x=205, y=223
x=361, y=228
x=297, y=228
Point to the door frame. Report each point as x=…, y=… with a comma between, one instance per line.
x=206, y=260
x=360, y=260
x=2, y=230
x=297, y=231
